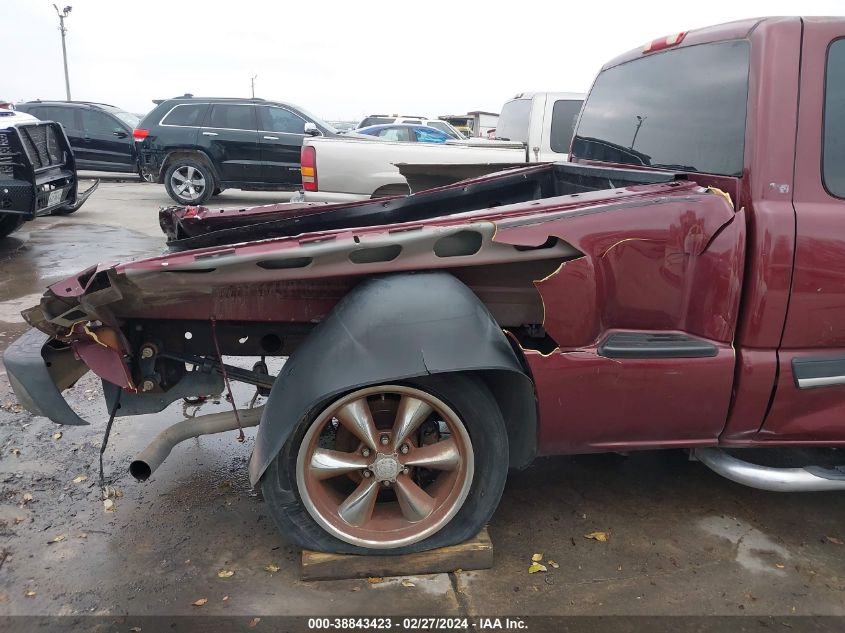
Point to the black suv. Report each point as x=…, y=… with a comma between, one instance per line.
x=99, y=134
x=198, y=147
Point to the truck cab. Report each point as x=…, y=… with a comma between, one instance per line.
x=760, y=114
x=544, y=121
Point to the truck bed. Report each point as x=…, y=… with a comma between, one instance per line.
x=200, y=227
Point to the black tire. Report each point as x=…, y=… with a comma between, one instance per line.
x=471, y=400
x=184, y=166
x=9, y=223
x=66, y=210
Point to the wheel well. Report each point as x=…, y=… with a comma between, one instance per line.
x=396, y=189
x=199, y=156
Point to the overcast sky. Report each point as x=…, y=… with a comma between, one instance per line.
x=340, y=60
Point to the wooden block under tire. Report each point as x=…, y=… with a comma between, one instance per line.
x=476, y=553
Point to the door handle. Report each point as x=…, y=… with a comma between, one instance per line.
x=209, y=133
x=272, y=138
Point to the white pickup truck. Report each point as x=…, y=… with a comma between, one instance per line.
x=533, y=127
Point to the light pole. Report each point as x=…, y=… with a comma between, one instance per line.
x=62, y=15
x=252, y=81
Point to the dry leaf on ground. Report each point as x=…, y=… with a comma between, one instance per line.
x=19, y=520
x=553, y=564
x=408, y=583
x=58, y=539
x=29, y=593
x=79, y=479
x=834, y=540
x=272, y=568
x=16, y=452
x=374, y=580
x=780, y=565
x=108, y=505
x=225, y=598
x=57, y=435
x=135, y=629
x=533, y=568
x=27, y=497
x=199, y=603
x=598, y=536
x=537, y=558
x=225, y=573
x=254, y=622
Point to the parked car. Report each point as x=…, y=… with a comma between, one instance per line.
x=678, y=285
x=99, y=134
x=395, y=119
x=351, y=168
x=405, y=133
x=198, y=147
x=37, y=171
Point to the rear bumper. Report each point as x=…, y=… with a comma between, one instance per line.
x=149, y=164
x=38, y=371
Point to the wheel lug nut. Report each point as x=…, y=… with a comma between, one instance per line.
x=404, y=449
x=386, y=483
x=406, y=470
x=384, y=440
x=365, y=452
x=367, y=474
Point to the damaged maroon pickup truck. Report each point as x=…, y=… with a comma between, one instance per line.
x=680, y=284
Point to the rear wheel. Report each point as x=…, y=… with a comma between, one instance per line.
x=392, y=468
x=189, y=181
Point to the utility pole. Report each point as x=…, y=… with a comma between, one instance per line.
x=252, y=81
x=62, y=15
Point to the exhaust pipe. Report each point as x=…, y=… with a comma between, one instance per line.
x=807, y=479
x=157, y=451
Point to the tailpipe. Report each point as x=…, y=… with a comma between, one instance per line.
x=157, y=451
x=806, y=479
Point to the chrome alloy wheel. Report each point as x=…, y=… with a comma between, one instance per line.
x=188, y=182
x=385, y=466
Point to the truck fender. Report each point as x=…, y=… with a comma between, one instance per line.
x=392, y=328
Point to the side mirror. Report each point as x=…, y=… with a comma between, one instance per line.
x=119, y=133
x=312, y=130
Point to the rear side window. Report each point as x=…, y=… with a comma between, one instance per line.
x=564, y=115
x=375, y=120
x=232, y=117
x=514, y=120
x=394, y=134
x=833, y=161
x=186, y=114
x=683, y=109
x=65, y=116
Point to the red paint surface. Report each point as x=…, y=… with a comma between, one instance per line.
x=588, y=403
